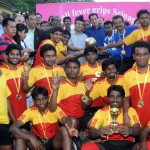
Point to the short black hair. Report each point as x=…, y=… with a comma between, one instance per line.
x=43, y=22
x=117, y=17
x=39, y=90
x=79, y=18
x=127, y=23
x=73, y=61
x=142, y=11
x=38, y=14
x=11, y=47
x=108, y=62
x=108, y=22
x=49, y=18
x=135, y=21
x=140, y=44
x=21, y=27
x=93, y=14
x=117, y=88
x=45, y=48
x=28, y=15
x=65, y=18
x=90, y=49
x=66, y=32
x=6, y=20
x=56, y=28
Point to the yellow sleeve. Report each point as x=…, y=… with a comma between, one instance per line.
x=59, y=113
x=126, y=89
x=48, y=42
x=97, y=120
x=134, y=118
x=26, y=116
x=95, y=91
x=60, y=94
x=130, y=39
x=126, y=86
x=32, y=78
x=62, y=73
x=8, y=91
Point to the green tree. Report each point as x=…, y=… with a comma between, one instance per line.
x=30, y=5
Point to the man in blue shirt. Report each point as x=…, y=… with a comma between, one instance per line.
x=96, y=31
x=109, y=39
x=125, y=51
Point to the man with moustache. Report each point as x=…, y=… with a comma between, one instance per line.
x=137, y=80
x=9, y=27
x=125, y=50
x=141, y=34
x=12, y=70
x=41, y=75
x=67, y=23
x=100, y=88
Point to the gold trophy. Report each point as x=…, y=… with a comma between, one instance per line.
x=90, y=42
x=114, y=114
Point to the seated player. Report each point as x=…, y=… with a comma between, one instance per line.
x=114, y=136
x=46, y=133
x=144, y=138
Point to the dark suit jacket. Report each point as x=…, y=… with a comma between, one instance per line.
x=38, y=38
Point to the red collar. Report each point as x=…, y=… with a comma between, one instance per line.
x=6, y=36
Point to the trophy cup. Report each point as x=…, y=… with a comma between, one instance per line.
x=114, y=114
x=90, y=42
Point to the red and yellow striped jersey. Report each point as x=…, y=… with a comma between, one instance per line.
x=69, y=98
x=130, y=79
x=48, y=122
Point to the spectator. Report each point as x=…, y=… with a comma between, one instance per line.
x=20, y=19
x=34, y=35
x=38, y=20
x=67, y=23
x=9, y=27
x=44, y=25
x=77, y=40
x=97, y=32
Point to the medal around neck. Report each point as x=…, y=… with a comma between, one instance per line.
x=123, y=52
x=84, y=98
x=45, y=139
x=140, y=104
x=98, y=74
x=19, y=96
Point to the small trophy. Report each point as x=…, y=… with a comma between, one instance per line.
x=114, y=114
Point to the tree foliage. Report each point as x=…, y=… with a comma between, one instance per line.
x=30, y=5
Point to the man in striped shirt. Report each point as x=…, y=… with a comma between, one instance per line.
x=9, y=27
